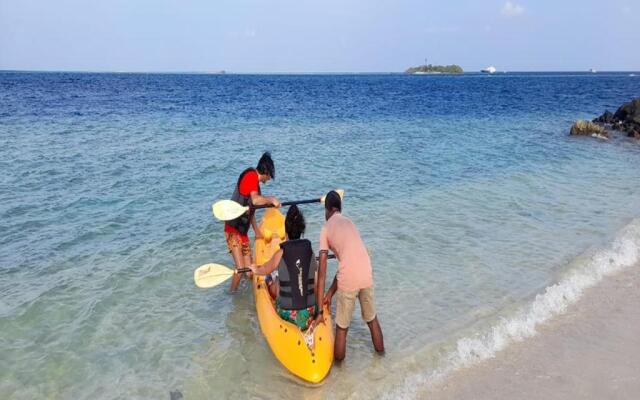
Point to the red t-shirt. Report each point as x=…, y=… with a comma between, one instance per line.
x=248, y=184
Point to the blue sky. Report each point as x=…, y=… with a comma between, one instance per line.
x=317, y=36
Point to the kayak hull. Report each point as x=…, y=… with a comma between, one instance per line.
x=284, y=338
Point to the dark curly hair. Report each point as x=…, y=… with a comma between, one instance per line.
x=294, y=223
x=265, y=166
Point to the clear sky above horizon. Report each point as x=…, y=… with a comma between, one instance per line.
x=314, y=36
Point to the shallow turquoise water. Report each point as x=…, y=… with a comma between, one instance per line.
x=467, y=190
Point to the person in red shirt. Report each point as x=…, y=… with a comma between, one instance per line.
x=247, y=192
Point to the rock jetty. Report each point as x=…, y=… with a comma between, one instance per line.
x=625, y=120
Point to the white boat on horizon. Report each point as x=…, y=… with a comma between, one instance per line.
x=593, y=71
x=489, y=70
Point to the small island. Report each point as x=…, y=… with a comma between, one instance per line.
x=435, y=69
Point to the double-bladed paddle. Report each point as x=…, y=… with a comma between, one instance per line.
x=226, y=210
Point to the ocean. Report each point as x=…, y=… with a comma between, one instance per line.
x=483, y=218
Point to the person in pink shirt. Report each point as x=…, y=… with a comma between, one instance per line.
x=354, y=278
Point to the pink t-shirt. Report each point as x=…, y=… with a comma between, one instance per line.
x=341, y=236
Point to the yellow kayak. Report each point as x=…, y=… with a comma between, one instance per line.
x=286, y=340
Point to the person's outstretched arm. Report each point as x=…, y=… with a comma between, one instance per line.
x=269, y=266
x=322, y=276
x=260, y=200
x=331, y=291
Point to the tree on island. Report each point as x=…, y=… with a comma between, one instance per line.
x=442, y=69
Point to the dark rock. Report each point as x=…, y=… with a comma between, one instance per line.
x=626, y=119
x=588, y=128
x=606, y=118
x=175, y=395
x=629, y=112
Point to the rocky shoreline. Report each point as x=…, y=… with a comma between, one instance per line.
x=625, y=120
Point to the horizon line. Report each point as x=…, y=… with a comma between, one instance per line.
x=225, y=72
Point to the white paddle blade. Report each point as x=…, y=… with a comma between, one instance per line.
x=210, y=275
x=340, y=193
x=226, y=210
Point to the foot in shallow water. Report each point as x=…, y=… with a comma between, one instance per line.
x=242, y=287
x=175, y=395
x=244, y=284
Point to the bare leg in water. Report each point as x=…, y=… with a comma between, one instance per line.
x=376, y=335
x=340, y=344
x=241, y=261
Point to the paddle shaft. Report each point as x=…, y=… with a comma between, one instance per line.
x=243, y=270
x=289, y=203
x=227, y=210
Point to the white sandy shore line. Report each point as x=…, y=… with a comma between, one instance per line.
x=620, y=256
x=590, y=352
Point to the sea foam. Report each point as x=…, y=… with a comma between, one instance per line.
x=586, y=271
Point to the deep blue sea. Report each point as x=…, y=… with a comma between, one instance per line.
x=484, y=218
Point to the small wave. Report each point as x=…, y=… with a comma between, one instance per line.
x=623, y=252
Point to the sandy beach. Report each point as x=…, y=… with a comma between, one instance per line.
x=590, y=352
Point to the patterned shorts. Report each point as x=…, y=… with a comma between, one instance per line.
x=299, y=317
x=234, y=241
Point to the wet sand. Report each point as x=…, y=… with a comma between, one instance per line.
x=590, y=352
